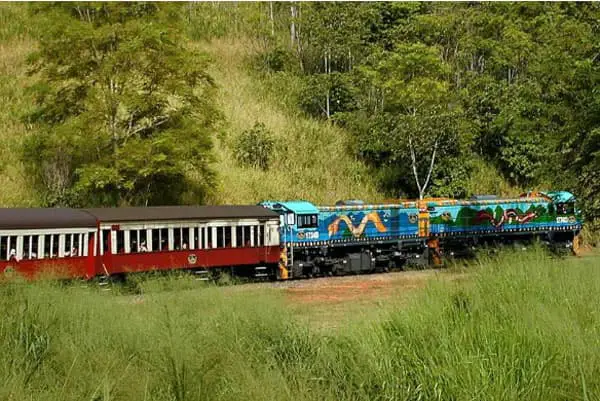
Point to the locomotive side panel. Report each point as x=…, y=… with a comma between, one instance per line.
x=370, y=223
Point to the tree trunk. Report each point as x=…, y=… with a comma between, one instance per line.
x=422, y=188
x=272, y=19
x=327, y=61
x=293, y=26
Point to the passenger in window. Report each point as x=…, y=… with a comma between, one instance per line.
x=13, y=256
x=74, y=252
x=143, y=247
x=184, y=246
x=33, y=255
x=163, y=245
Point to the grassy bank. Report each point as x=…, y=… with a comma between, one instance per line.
x=525, y=327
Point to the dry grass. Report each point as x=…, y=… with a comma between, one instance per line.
x=311, y=161
x=13, y=102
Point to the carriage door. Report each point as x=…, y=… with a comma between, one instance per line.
x=106, y=241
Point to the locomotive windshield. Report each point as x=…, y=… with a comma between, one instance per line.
x=565, y=208
x=307, y=221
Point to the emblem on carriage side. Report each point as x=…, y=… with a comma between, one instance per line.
x=192, y=259
x=412, y=218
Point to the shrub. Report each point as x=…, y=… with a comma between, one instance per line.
x=254, y=147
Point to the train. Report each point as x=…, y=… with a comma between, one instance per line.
x=277, y=240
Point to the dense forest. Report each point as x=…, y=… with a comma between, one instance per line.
x=124, y=103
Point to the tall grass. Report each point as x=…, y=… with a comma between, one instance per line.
x=522, y=327
x=15, y=44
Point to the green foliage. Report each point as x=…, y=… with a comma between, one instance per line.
x=519, y=92
x=123, y=113
x=254, y=147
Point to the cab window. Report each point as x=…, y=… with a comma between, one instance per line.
x=565, y=208
x=307, y=221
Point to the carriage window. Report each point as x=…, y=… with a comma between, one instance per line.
x=246, y=236
x=143, y=241
x=120, y=241
x=47, y=245
x=26, y=247
x=239, y=236
x=228, y=243
x=307, y=221
x=197, y=240
x=75, y=245
x=51, y=246
x=185, y=238
x=105, y=241
x=177, y=238
x=4, y=245
x=68, y=242
x=133, y=240
x=209, y=237
x=164, y=239
x=156, y=239
x=220, y=237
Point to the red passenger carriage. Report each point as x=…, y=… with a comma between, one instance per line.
x=242, y=238
x=111, y=241
x=56, y=242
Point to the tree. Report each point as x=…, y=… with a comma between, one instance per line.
x=124, y=112
x=416, y=115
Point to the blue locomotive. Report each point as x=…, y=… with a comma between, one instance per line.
x=352, y=236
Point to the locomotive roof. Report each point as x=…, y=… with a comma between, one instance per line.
x=43, y=218
x=295, y=206
x=160, y=213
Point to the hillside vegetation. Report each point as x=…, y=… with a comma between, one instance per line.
x=322, y=101
x=310, y=160
x=521, y=327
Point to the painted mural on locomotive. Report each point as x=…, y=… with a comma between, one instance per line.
x=377, y=222
x=558, y=211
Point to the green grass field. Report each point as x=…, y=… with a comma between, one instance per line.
x=524, y=327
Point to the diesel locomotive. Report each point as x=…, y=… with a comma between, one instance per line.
x=276, y=239
x=353, y=237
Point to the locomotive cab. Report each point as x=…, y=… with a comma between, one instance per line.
x=299, y=220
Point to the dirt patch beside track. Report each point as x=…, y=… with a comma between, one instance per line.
x=358, y=288
x=334, y=302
